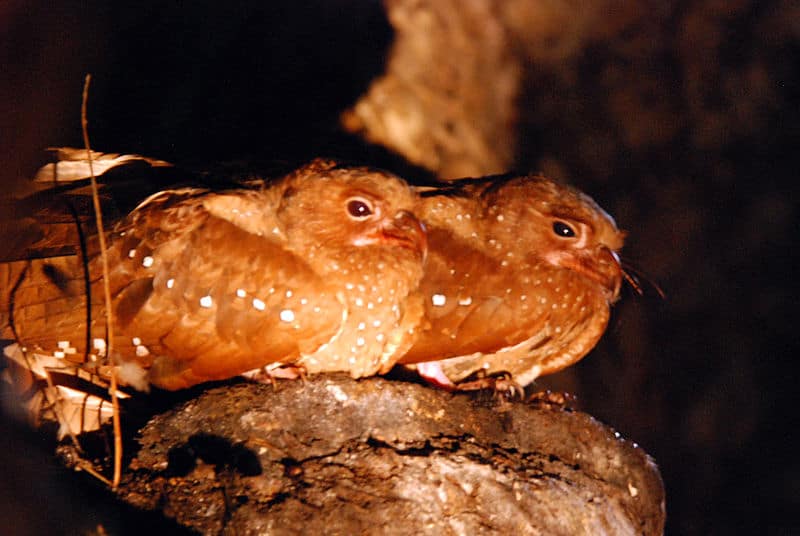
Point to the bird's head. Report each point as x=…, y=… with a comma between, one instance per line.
x=558, y=225
x=325, y=206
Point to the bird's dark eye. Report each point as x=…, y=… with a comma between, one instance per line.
x=563, y=230
x=359, y=208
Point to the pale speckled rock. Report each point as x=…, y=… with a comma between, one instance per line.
x=339, y=456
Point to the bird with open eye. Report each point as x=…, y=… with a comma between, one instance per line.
x=317, y=270
x=520, y=278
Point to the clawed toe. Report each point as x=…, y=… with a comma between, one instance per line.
x=501, y=384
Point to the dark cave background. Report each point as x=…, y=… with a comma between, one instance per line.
x=683, y=124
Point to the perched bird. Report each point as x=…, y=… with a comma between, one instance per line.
x=520, y=277
x=318, y=270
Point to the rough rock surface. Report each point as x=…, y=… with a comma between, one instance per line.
x=338, y=456
x=447, y=99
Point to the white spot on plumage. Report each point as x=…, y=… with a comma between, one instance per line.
x=62, y=344
x=206, y=301
x=379, y=337
x=287, y=315
x=136, y=341
x=438, y=300
x=376, y=323
x=359, y=302
x=131, y=253
x=465, y=301
x=148, y=261
x=362, y=326
x=360, y=341
x=142, y=351
x=260, y=305
x=170, y=283
x=241, y=292
x=289, y=293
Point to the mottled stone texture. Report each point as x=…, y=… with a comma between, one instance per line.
x=339, y=456
x=446, y=101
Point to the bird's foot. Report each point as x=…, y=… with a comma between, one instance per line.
x=552, y=399
x=277, y=371
x=502, y=384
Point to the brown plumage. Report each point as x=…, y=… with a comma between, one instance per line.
x=520, y=276
x=319, y=269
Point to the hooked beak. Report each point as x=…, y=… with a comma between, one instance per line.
x=407, y=231
x=603, y=267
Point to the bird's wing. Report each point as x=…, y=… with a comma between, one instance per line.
x=198, y=295
x=212, y=290
x=473, y=303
